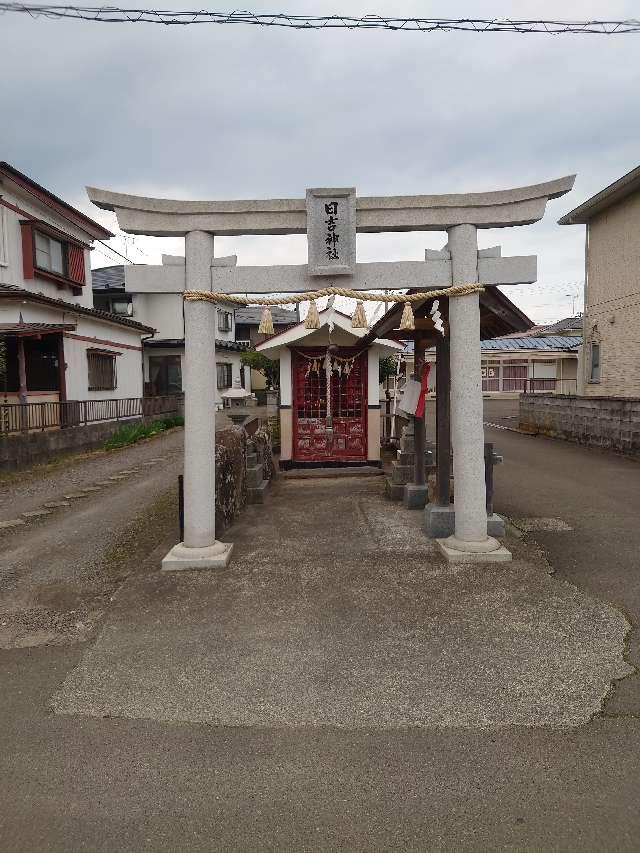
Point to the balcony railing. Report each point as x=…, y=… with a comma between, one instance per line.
x=28, y=417
x=521, y=385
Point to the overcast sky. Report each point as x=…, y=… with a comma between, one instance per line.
x=242, y=112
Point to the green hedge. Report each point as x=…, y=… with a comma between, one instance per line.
x=136, y=432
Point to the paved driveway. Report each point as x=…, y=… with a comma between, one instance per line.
x=156, y=773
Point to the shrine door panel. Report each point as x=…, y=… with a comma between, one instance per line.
x=312, y=441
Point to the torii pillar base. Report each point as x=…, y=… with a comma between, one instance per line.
x=489, y=550
x=180, y=558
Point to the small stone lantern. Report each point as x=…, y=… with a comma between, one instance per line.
x=235, y=401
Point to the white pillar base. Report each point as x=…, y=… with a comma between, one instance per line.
x=488, y=550
x=181, y=558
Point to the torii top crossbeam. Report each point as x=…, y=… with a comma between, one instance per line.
x=159, y=217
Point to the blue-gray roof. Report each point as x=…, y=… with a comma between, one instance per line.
x=547, y=342
x=108, y=278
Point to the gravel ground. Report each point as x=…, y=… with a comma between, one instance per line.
x=59, y=572
x=29, y=490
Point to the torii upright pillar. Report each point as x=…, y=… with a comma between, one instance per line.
x=200, y=549
x=470, y=539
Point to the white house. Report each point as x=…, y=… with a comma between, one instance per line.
x=153, y=295
x=55, y=345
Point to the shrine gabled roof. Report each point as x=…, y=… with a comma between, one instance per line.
x=342, y=321
x=498, y=316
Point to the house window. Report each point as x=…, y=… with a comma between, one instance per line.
x=47, y=254
x=122, y=306
x=102, y=370
x=225, y=321
x=595, y=362
x=224, y=375
x=50, y=254
x=165, y=374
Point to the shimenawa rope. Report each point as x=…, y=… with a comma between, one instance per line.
x=312, y=320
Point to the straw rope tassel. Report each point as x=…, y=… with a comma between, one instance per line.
x=266, y=322
x=359, y=318
x=407, y=321
x=312, y=320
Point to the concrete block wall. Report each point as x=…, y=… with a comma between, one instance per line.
x=35, y=448
x=608, y=422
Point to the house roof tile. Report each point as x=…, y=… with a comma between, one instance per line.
x=11, y=291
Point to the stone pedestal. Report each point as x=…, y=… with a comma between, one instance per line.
x=256, y=484
x=181, y=558
x=402, y=471
x=462, y=551
x=440, y=522
x=415, y=496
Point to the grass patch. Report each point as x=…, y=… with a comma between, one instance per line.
x=136, y=432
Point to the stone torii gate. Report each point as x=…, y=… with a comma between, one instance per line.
x=330, y=218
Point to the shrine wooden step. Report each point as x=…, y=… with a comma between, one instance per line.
x=313, y=473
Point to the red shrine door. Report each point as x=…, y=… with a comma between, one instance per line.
x=311, y=440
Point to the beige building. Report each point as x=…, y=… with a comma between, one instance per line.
x=609, y=360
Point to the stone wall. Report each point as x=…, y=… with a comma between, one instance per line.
x=231, y=470
x=231, y=474
x=607, y=422
x=21, y=451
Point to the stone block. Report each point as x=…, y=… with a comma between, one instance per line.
x=440, y=521
x=14, y=522
x=415, y=497
x=36, y=513
x=401, y=474
x=256, y=494
x=404, y=458
x=252, y=459
x=496, y=526
x=394, y=491
x=254, y=476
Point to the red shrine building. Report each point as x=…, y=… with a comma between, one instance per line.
x=329, y=391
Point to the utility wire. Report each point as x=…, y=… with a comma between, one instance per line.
x=111, y=14
x=115, y=251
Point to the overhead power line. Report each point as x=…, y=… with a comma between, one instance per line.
x=115, y=15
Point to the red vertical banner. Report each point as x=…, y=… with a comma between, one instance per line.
x=424, y=389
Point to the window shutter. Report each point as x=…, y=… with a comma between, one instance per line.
x=27, y=249
x=75, y=263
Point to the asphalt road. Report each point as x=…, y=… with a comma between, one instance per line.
x=76, y=783
x=598, y=495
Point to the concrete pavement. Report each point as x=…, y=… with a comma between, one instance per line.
x=597, y=494
x=338, y=611
x=75, y=782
